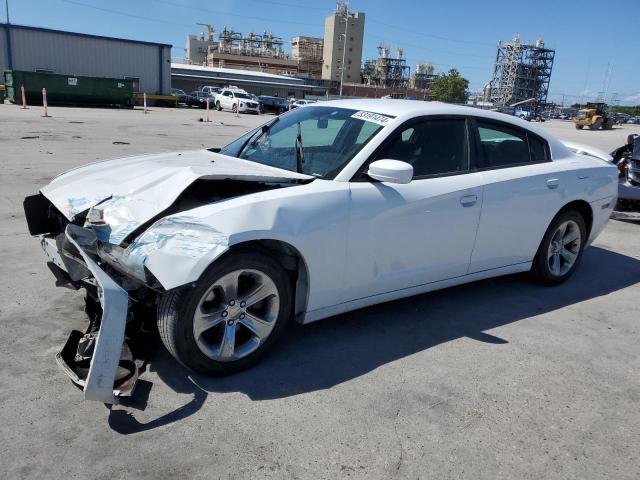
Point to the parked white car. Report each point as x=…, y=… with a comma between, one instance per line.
x=236, y=100
x=211, y=91
x=322, y=210
x=300, y=103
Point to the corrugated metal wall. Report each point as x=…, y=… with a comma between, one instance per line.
x=3, y=50
x=71, y=54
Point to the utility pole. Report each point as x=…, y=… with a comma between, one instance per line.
x=344, y=47
x=6, y=3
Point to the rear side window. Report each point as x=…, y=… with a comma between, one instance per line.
x=501, y=145
x=539, y=149
x=432, y=147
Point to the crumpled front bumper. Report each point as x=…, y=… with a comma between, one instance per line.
x=105, y=360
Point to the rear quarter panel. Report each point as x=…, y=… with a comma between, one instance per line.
x=518, y=206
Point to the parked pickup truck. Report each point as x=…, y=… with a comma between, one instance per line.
x=236, y=100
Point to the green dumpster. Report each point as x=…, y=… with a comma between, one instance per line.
x=68, y=89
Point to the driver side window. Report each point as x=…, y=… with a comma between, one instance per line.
x=431, y=146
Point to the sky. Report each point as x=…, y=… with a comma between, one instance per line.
x=597, y=42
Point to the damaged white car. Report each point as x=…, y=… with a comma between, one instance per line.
x=322, y=210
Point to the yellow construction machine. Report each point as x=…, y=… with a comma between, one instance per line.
x=594, y=116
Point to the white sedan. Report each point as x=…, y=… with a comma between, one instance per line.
x=320, y=211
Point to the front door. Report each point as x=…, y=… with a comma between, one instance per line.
x=406, y=235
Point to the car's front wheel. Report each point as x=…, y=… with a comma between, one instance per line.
x=231, y=318
x=561, y=249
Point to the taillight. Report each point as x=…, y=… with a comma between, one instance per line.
x=622, y=167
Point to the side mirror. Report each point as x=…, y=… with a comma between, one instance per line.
x=391, y=171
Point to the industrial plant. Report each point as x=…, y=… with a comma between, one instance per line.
x=521, y=74
x=386, y=71
x=266, y=63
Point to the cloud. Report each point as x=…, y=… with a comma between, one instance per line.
x=589, y=93
x=634, y=99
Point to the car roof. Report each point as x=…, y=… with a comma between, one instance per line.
x=414, y=108
x=398, y=107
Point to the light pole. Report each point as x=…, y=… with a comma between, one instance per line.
x=344, y=47
x=6, y=4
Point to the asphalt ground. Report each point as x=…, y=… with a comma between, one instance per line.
x=499, y=379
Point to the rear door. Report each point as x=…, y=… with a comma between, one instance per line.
x=406, y=235
x=522, y=193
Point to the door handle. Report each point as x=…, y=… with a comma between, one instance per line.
x=468, y=200
x=553, y=183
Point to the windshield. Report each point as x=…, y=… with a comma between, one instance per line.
x=314, y=140
x=241, y=95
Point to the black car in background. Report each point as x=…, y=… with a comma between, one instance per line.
x=199, y=99
x=182, y=96
x=276, y=105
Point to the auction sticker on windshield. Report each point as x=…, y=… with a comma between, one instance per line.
x=372, y=117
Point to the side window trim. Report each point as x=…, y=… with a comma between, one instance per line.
x=360, y=175
x=481, y=161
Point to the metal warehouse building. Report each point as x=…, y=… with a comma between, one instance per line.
x=68, y=53
x=194, y=77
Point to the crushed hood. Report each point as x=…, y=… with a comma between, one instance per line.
x=133, y=190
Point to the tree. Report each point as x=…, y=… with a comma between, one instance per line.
x=451, y=88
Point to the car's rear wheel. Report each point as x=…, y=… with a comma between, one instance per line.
x=561, y=249
x=231, y=318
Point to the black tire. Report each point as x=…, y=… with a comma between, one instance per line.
x=596, y=125
x=540, y=269
x=579, y=127
x=234, y=108
x=218, y=106
x=176, y=314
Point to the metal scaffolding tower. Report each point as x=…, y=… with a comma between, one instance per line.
x=521, y=72
x=386, y=71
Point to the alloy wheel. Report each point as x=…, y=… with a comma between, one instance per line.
x=236, y=315
x=564, y=248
